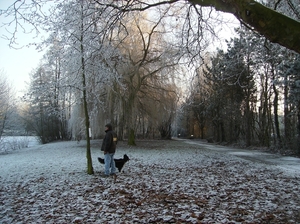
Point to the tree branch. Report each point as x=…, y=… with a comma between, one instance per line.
x=275, y=26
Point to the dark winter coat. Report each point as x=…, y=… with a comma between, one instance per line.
x=110, y=140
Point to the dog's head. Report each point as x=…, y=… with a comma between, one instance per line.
x=125, y=157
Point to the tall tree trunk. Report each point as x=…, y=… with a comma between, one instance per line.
x=276, y=119
x=248, y=122
x=287, y=126
x=42, y=125
x=131, y=118
x=263, y=113
x=90, y=169
x=248, y=113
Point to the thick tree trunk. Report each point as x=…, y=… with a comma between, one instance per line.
x=129, y=107
x=131, y=138
x=276, y=27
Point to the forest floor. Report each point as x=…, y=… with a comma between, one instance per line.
x=184, y=181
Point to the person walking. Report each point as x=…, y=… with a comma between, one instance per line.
x=109, y=146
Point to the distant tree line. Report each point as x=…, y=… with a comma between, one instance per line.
x=248, y=94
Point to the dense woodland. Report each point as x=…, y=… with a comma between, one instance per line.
x=248, y=94
x=155, y=71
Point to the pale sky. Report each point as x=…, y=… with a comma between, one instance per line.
x=16, y=65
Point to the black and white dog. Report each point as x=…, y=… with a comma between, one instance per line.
x=119, y=162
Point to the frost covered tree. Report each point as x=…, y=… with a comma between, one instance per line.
x=48, y=83
x=87, y=65
x=53, y=63
x=44, y=114
x=275, y=26
x=6, y=102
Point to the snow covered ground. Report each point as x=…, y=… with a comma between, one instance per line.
x=8, y=143
x=164, y=182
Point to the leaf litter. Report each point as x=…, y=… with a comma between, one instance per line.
x=164, y=182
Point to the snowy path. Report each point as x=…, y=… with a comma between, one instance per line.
x=287, y=163
x=164, y=182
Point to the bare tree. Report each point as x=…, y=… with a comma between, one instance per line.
x=6, y=102
x=146, y=57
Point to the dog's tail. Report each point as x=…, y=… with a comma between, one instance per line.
x=101, y=160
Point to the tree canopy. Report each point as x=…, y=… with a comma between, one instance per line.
x=275, y=26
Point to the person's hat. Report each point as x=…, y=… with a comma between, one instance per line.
x=109, y=126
